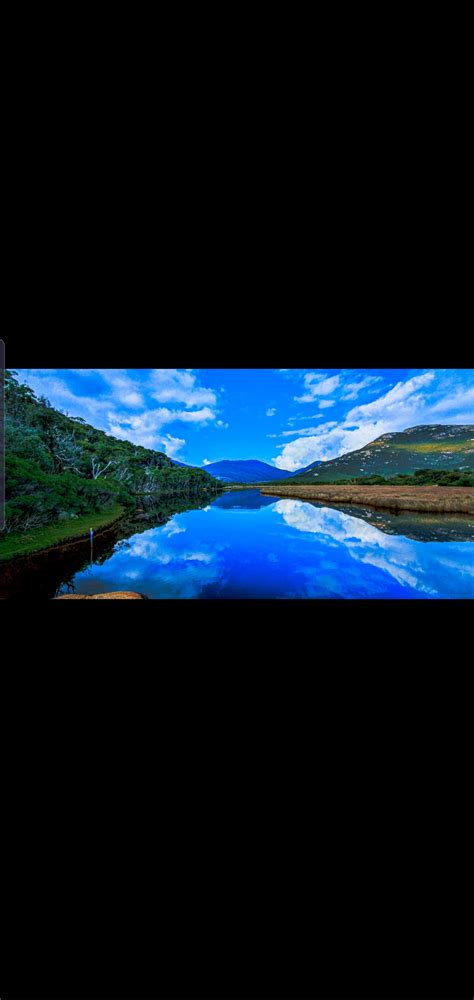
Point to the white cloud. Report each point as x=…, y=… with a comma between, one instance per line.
x=174, y=385
x=303, y=416
x=318, y=385
x=172, y=445
x=304, y=431
x=144, y=428
x=57, y=391
x=109, y=408
x=301, y=452
x=271, y=411
x=427, y=398
x=125, y=389
x=404, y=396
x=353, y=389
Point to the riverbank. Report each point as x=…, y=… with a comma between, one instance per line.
x=22, y=544
x=229, y=487
x=429, y=499
x=27, y=543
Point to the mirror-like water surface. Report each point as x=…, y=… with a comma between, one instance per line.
x=244, y=545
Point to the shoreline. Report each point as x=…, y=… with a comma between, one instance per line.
x=58, y=535
x=427, y=499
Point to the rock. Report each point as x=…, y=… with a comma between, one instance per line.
x=119, y=595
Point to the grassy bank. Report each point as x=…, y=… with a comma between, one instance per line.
x=25, y=543
x=427, y=499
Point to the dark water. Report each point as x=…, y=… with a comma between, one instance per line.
x=244, y=545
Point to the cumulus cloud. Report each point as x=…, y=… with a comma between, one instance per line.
x=404, y=396
x=174, y=385
x=431, y=397
x=318, y=385
x=172, y=445
x=144, y=428
x=305, y=450
x=122, y=401
x=271, y=411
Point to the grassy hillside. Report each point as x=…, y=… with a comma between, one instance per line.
x=58, y=468
x=434, y=447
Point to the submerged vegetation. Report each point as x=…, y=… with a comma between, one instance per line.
x=59, y=469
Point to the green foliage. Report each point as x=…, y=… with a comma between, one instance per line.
x=422, y=477
x=453, y=477
x=58, y=466
x=35, y=498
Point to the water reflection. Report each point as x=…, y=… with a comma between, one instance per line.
x=159, y=562
x=246, y=545
x=417, y=526
x=243, y=545
x=243, y=500
x=425, y=567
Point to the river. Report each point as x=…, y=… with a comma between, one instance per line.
x=244, y=545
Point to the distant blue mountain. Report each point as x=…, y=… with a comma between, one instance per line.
x=246, y=472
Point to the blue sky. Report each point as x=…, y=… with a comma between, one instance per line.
x=288, y=417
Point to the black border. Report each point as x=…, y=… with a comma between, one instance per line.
x=411, y=659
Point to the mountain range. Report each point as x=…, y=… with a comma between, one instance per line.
x=245, y=472
x=430, y=446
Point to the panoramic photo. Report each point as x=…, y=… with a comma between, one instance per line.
x=238, y=484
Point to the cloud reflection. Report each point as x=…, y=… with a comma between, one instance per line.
x=406, y=561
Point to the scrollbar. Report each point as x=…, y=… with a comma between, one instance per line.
x=2, y=435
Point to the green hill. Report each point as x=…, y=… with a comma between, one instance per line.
x=58, y=468
x=433, y=446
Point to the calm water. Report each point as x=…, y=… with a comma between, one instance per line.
x=243, y=545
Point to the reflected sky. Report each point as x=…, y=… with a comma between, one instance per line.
x=243, y=546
